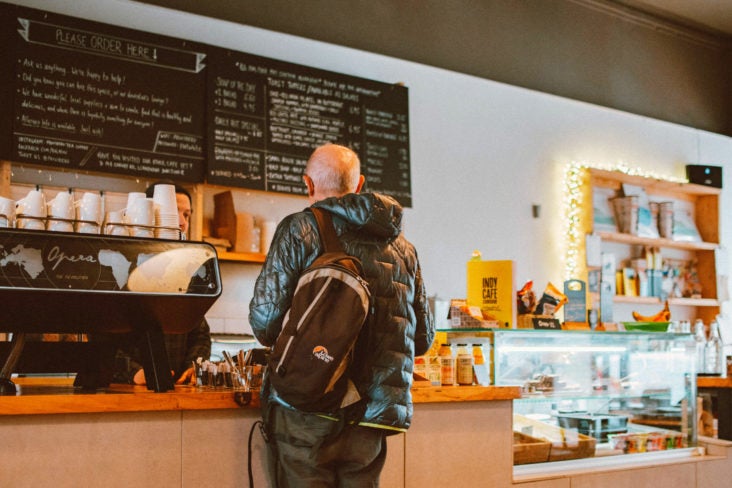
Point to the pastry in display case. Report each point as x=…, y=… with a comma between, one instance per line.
x=594, y=394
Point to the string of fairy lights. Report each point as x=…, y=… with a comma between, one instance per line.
x=575, y=175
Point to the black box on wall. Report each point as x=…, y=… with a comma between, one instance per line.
x=704, y=175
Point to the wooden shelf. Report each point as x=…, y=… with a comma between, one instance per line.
x=241, y=257
x=604, y=177
x=656, y=242
x=676, y=302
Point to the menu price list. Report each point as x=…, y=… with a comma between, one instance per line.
x=91, y=96
x=266, y=116
x=83, y=97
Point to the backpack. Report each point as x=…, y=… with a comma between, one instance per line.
x=309, y=366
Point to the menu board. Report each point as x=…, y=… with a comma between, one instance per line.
x=266, y=116
x=91, y=96
x=83, y=95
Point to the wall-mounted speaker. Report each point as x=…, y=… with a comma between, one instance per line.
x=704, y=175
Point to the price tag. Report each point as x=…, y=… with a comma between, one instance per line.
x=546, y=323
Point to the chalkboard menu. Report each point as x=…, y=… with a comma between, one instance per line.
x=266, y=116
x=92, y=96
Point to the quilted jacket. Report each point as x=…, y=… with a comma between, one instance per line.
x=369, y=226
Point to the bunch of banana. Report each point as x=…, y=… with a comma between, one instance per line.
x=662, y=316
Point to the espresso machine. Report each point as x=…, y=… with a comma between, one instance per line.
x=103, y=288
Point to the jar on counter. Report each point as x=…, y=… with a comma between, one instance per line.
x=447, y=365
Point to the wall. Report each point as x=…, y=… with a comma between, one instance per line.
x=597, y=51
x=482, y=154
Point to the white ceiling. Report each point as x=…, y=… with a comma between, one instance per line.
x=709, y=14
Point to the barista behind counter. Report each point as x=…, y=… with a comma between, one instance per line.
x=182, y=349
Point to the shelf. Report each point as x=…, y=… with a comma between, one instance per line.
x=575, y=395
x=241, y=257
x=653, y=242
x=613, y=178
x=674, y=302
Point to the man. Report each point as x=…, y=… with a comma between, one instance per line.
x=304, y=449
x=182, y=349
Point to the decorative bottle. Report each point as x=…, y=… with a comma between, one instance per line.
x=714, y=353
x=700, y=337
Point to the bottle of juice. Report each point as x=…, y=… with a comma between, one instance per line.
x=447, y=365
x=464, y=365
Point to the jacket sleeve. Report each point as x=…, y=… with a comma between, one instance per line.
x=425, y=330
x=293, y=248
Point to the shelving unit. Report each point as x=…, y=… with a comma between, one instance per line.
x=703, y=200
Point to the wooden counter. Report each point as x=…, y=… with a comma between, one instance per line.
x=130, y=436
x=57, y=395
x=713, y=382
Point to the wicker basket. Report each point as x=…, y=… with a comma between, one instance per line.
x=527, y=449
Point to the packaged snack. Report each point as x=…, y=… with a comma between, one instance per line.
x=526, y=299
x=551, y=301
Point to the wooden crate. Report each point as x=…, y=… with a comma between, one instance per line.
x=527, y=449
x=565, y=443
x=574, y=446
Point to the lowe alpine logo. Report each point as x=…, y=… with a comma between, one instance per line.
x=321, y=353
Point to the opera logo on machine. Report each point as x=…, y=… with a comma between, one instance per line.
x=321, y=352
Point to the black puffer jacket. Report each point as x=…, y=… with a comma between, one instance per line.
x=369, y=226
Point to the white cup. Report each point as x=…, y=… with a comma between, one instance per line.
x=141, y=232
x=89, y=208
x=32, y=205
x=60, y=225
x=142, y=212
x=30, y=223
x=114, y=224
x=87, y=228
x=62, y=206
x=7, y=212
x=164, y=198
x=132, y=196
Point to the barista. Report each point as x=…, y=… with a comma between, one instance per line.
x=182, y=349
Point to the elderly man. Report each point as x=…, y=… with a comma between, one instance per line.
x=310, y=449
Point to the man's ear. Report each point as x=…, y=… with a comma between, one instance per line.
x=309, y=183
x=361, y=181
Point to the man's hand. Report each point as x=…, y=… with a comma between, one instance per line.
x=188, y=377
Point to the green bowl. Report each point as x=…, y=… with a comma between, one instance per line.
x=646, y=326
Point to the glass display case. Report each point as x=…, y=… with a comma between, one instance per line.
x=588, y=394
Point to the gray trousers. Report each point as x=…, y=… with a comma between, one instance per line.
x=304, y=452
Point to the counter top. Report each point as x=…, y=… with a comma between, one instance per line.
x=713, y=382
x=57, y=395
x=42, y=395
x=441, y=394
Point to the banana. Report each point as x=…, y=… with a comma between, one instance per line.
x=663, y=316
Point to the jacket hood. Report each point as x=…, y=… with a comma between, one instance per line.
x=372, y=213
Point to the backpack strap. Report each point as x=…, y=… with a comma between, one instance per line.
x=328, y=236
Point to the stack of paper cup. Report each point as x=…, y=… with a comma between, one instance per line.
x=89, y=213
x=140, y=217
x=61, y=212
x=30, y=211
x=166, y=212
x=114, y=224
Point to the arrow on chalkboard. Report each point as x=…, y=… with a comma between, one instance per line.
x=199, y=62
x=25, y=24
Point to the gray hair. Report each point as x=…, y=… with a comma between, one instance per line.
x=334, y=169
